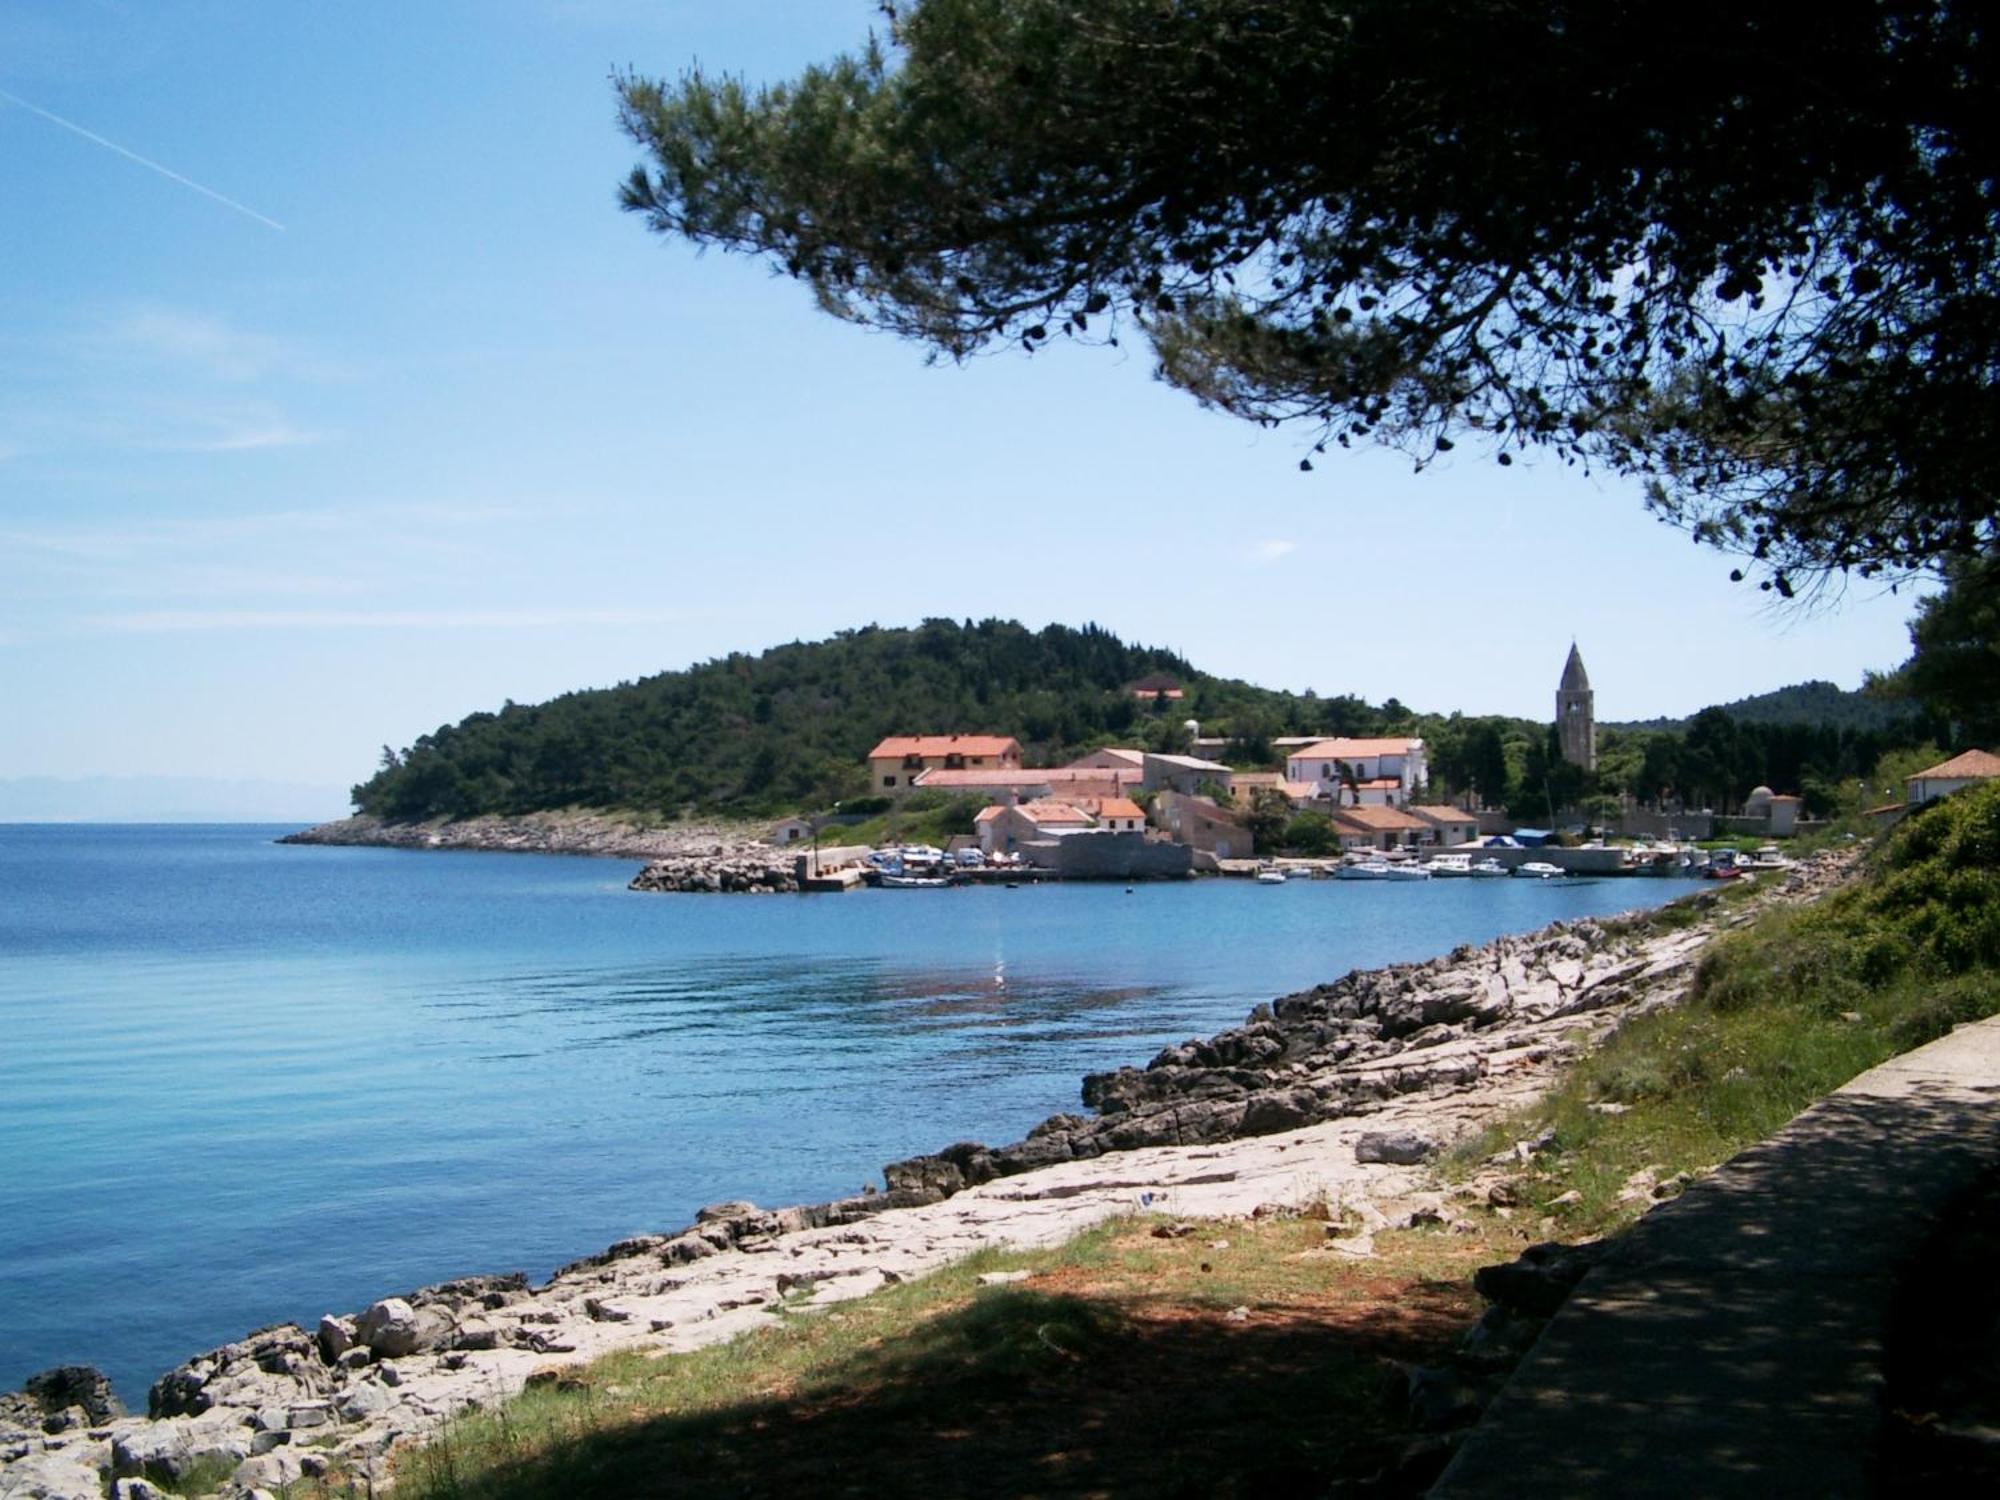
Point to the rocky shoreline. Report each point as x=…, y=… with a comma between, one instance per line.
x=1341, y=1092
x=597, y=835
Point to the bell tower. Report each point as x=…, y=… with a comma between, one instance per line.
x=1576, y=713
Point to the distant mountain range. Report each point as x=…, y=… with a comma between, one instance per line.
x=165, y=799
x=1820, y=703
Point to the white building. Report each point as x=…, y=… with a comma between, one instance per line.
x=1953, y=775
x=1186, y=774
x=1362, y=772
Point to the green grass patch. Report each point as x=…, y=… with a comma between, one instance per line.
x=1783, y=1010
x=1122, y=1366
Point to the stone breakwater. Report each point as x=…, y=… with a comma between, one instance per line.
x=722, y=867
x=584, y=833
x=1339, y=1093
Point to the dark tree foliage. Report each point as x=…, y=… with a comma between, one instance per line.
x=1821, y=704
x=1954, y=665
x=1743, y=250
x=790, y=728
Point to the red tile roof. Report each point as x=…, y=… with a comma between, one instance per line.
x=1115, y=807
x=1132, y=758
x=1973, y=765
x=1052, y=812
x=1439, y=814
x=931, y=745
x=1109, y=778
x=1380, y=819
x=1345, y=749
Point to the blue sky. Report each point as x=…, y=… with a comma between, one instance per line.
x=460, y=431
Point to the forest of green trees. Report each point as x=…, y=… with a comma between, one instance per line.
x=787, y=730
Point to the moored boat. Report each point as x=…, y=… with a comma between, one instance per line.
x=1367, y=869
x=1488, y=869
x=1536, y=869
x=1406, y=872
x=1270, y=877
x=1449, y=866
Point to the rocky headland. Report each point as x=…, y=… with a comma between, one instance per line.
x=573, y=831
x=1339, y=1094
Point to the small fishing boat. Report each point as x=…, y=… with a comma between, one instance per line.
x=1271, y=877
x=1367, y=869
x=914, y=882
x=1408, y=872
x=1488, y=869
x=1536, y=869
x=1450, y=866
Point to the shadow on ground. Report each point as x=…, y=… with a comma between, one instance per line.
x=1734, y=1341
x=1024, y=1393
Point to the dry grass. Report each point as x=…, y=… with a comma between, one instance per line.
x=1245, y=1358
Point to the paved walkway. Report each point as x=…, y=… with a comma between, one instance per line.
x=1733, y=1343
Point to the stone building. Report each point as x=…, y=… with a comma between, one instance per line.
x=1576, y=713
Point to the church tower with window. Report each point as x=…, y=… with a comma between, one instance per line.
x=1576, y=713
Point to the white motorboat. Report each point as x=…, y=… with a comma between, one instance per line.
x=1488, y=869
x=1450, y=866
x=1408, y=872
x=1270, y=877
x=914, y=882
x=1536, y=869
x=1367, y=869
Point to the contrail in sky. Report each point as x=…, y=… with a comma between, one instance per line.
x=166, y=172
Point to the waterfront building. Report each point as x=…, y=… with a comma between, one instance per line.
x=1576, y=713
x=1381, y=772
x=1450, y=825
x=1381, y=828
x=1200, y=824
x=1110, y=758
x=1185, y=773
x=1245, y=785
x=1116, y=814
x=894, y=765
x=1018, y=785
x=1002, y=830
x=1953, y=775
x=1777, y=811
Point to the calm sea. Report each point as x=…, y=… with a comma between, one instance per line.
x=242, y=1083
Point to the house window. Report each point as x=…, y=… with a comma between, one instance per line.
x=888, y=781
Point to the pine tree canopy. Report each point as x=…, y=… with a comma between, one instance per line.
x=1743, y=251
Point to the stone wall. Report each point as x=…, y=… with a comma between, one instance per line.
x=1110, y=856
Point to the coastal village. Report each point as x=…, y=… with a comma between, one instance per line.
x=1128, y=813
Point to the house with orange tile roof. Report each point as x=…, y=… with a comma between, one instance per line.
x=1201, y=824
x=1953, y=775
x=1002, y=829
x=1025, y=785
x=1452, y=825
x=1110, y=758
x=1186, y=774
x=1245, y=785
x=1116, y=814
x=1157, y=687
x=1381, y=772
x=895, y=764
x=1380, y=828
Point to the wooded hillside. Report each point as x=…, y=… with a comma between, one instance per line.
x=789, y=728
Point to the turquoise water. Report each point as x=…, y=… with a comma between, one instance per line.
x=242, y=1082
